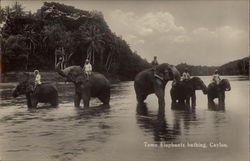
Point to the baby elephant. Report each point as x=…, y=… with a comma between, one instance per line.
x=44, y=93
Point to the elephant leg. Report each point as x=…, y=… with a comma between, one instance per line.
x=173, y=102
x=77, y=99
x=54, y=101
x=86, y=99
x=181, y=101
x=222, y=100
x=210, y=101
x=34, y=102
x=173, y=98
x=193, y=98
x=141, y=97
x=187, y=101
x=105, y=98
x=160, y=95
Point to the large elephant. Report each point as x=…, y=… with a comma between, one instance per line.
x=154, y=80
x=218, y=91
x=96, y=86
x=184, y=90
x=44, y=93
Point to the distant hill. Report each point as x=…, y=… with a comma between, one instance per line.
x=237, y=67
x=196, y=70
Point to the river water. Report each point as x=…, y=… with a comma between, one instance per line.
x=125, y=131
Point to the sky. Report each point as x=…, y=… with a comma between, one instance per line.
x=196, y=32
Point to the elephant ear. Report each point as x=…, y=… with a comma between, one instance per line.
x=30, y=87
x=168, y=72
x=80, y=79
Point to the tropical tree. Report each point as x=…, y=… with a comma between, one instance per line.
x=95, y=40
x=16, y=51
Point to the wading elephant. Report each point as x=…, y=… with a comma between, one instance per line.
x=154, y=80
x=218, y=91
x=44, y=93
x=97, y=85
x=184, y=90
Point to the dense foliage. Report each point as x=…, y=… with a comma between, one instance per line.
x=237, y=67
x=196, y=70
x=31, y=41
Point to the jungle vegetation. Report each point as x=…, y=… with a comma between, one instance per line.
x=35, y=40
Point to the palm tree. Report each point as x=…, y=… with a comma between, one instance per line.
x=95, y=39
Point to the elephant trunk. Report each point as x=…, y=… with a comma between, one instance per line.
x=228, y=89
x=63, y=73
x=59, y=71
x=176, y=74
x=204, y=88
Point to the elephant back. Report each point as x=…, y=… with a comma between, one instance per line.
x=73, y=70
x=45, y=92
x=99, y=78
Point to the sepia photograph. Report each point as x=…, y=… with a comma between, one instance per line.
x=118, y=80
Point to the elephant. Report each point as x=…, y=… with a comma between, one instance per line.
x=218, y=91
x=96, y=86
x=185, y=90
x=154, y=80
x=44, y=93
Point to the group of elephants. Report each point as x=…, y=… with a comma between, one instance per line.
x=147, y=82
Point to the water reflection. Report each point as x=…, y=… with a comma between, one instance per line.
x=216, y=107
x=182, y=106
x=156, y=124
x=111, y=133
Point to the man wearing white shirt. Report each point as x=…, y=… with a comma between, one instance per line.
x=87, y=68
x=37, y=78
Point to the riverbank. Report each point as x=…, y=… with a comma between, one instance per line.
x=46, y=77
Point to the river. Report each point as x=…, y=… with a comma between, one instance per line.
x=124, y=131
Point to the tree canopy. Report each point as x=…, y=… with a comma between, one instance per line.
x=30, y=41
x=33, y=41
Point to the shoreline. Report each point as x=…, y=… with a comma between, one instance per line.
x=55, y=77
x=46, y=77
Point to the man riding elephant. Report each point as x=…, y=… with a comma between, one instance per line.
x=185, y=75
x=154, y=81
x=185, y=90
x=44, y=92
x=97, y=85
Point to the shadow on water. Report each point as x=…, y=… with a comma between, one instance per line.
x=182, y=107
x=184, y=115
x=94, y=111
x=216, y=107
x=156, y=124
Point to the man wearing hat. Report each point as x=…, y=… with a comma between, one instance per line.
x=87, y=68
